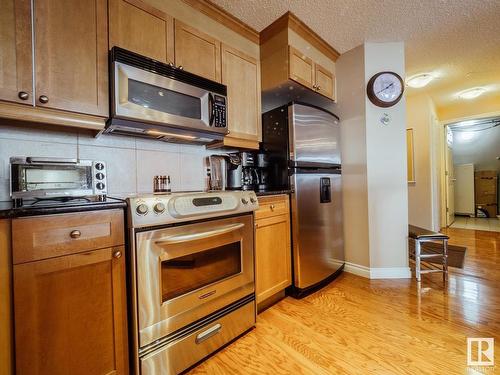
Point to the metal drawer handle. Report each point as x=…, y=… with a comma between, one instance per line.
x=117, y=254
x=212, y=331
x=75, y=234
x=206, y=295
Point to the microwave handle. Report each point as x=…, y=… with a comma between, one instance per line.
x=33, y=160
x=198, y=236
x=211, y=109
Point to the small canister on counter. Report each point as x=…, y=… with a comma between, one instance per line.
x=161, y=184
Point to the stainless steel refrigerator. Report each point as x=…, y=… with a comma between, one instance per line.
x=303, y=145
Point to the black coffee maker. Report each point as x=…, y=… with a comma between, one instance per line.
x=249, y=177
x=262, y=169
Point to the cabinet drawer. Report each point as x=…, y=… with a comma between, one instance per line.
x=272, y=206
x=43, y=237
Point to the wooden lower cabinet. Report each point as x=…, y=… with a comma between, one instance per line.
x=273, y=266
x=70, y=313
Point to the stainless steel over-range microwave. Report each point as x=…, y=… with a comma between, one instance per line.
x=157, y=100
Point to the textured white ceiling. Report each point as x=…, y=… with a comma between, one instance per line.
x=457, y=39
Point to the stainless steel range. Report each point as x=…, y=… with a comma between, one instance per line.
x=192, y=266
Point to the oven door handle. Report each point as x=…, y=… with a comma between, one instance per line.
x=62, y=161
x=198, y=236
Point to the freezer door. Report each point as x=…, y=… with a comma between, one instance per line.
x=317, y=227
x=314, y=136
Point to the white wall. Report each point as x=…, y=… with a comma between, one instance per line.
x=131, y=162
x=373, y=166
x=386, y=165
x=423, y=195
x=351, y=94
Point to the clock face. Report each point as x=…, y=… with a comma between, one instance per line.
x=385, y=89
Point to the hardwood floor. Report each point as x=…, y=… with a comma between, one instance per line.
x=361, y=326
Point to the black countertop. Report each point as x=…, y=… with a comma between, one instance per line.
x=273, y=192
x=8, y=211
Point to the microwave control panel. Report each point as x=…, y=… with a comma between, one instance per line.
x=219, y=111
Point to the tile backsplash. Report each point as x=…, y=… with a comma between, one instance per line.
x=131, y=162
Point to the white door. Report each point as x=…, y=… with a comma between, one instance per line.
x=464, y=189
x=450, y=187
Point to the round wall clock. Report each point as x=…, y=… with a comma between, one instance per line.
x=385, y=89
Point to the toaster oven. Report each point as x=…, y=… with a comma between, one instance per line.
x=42, y=178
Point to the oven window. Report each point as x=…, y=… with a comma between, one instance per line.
x=164, y=100
x=48, y=177
x=185, y=274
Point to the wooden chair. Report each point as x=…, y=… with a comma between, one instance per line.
x=420, y=235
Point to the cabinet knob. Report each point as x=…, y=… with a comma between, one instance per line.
x=117, y=254
x=318, y=87
x=272, y=207
x=43, y=99
x=75, y=234
x=181, y=67
x=23, y=95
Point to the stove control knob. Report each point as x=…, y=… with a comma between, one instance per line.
x=142, y=209
x=244, y=200
x=99, y=166
x=99, y=176
x=159, y=208
x=100, y=186
x=253, y=200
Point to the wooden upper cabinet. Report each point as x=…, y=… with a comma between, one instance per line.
x=305, y=71
x=197, y=52
x=138, y=27
x=240, y=73
x=16, y=70
x=325, y=81
x=71, y=55
x=300, y=67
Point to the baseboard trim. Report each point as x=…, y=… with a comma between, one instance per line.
x=379, y=272
x=357, y=269
x=390, y=273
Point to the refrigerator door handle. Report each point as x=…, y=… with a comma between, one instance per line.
x=325, y=193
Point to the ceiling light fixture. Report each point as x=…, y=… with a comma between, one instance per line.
x=419, y=80
x=471, y=93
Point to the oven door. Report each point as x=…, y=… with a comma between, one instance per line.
x=186, y=272
x=149, y=97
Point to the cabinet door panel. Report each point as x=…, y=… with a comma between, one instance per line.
x=16, y=69
x=138, y=27
x=71, y=49
x=197, y=52
x=240, y=73
x=273, y=267
x=70, y=315
x=325, y=81
x=300, y=67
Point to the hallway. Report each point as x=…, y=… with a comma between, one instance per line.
x=356, y=325
x=477, y=223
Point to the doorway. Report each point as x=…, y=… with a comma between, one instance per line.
x=472, y=167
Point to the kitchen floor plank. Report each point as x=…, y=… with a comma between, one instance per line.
x=356, y=325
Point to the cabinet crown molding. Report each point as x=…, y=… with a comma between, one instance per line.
x=220, y=15
x=291, y=21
